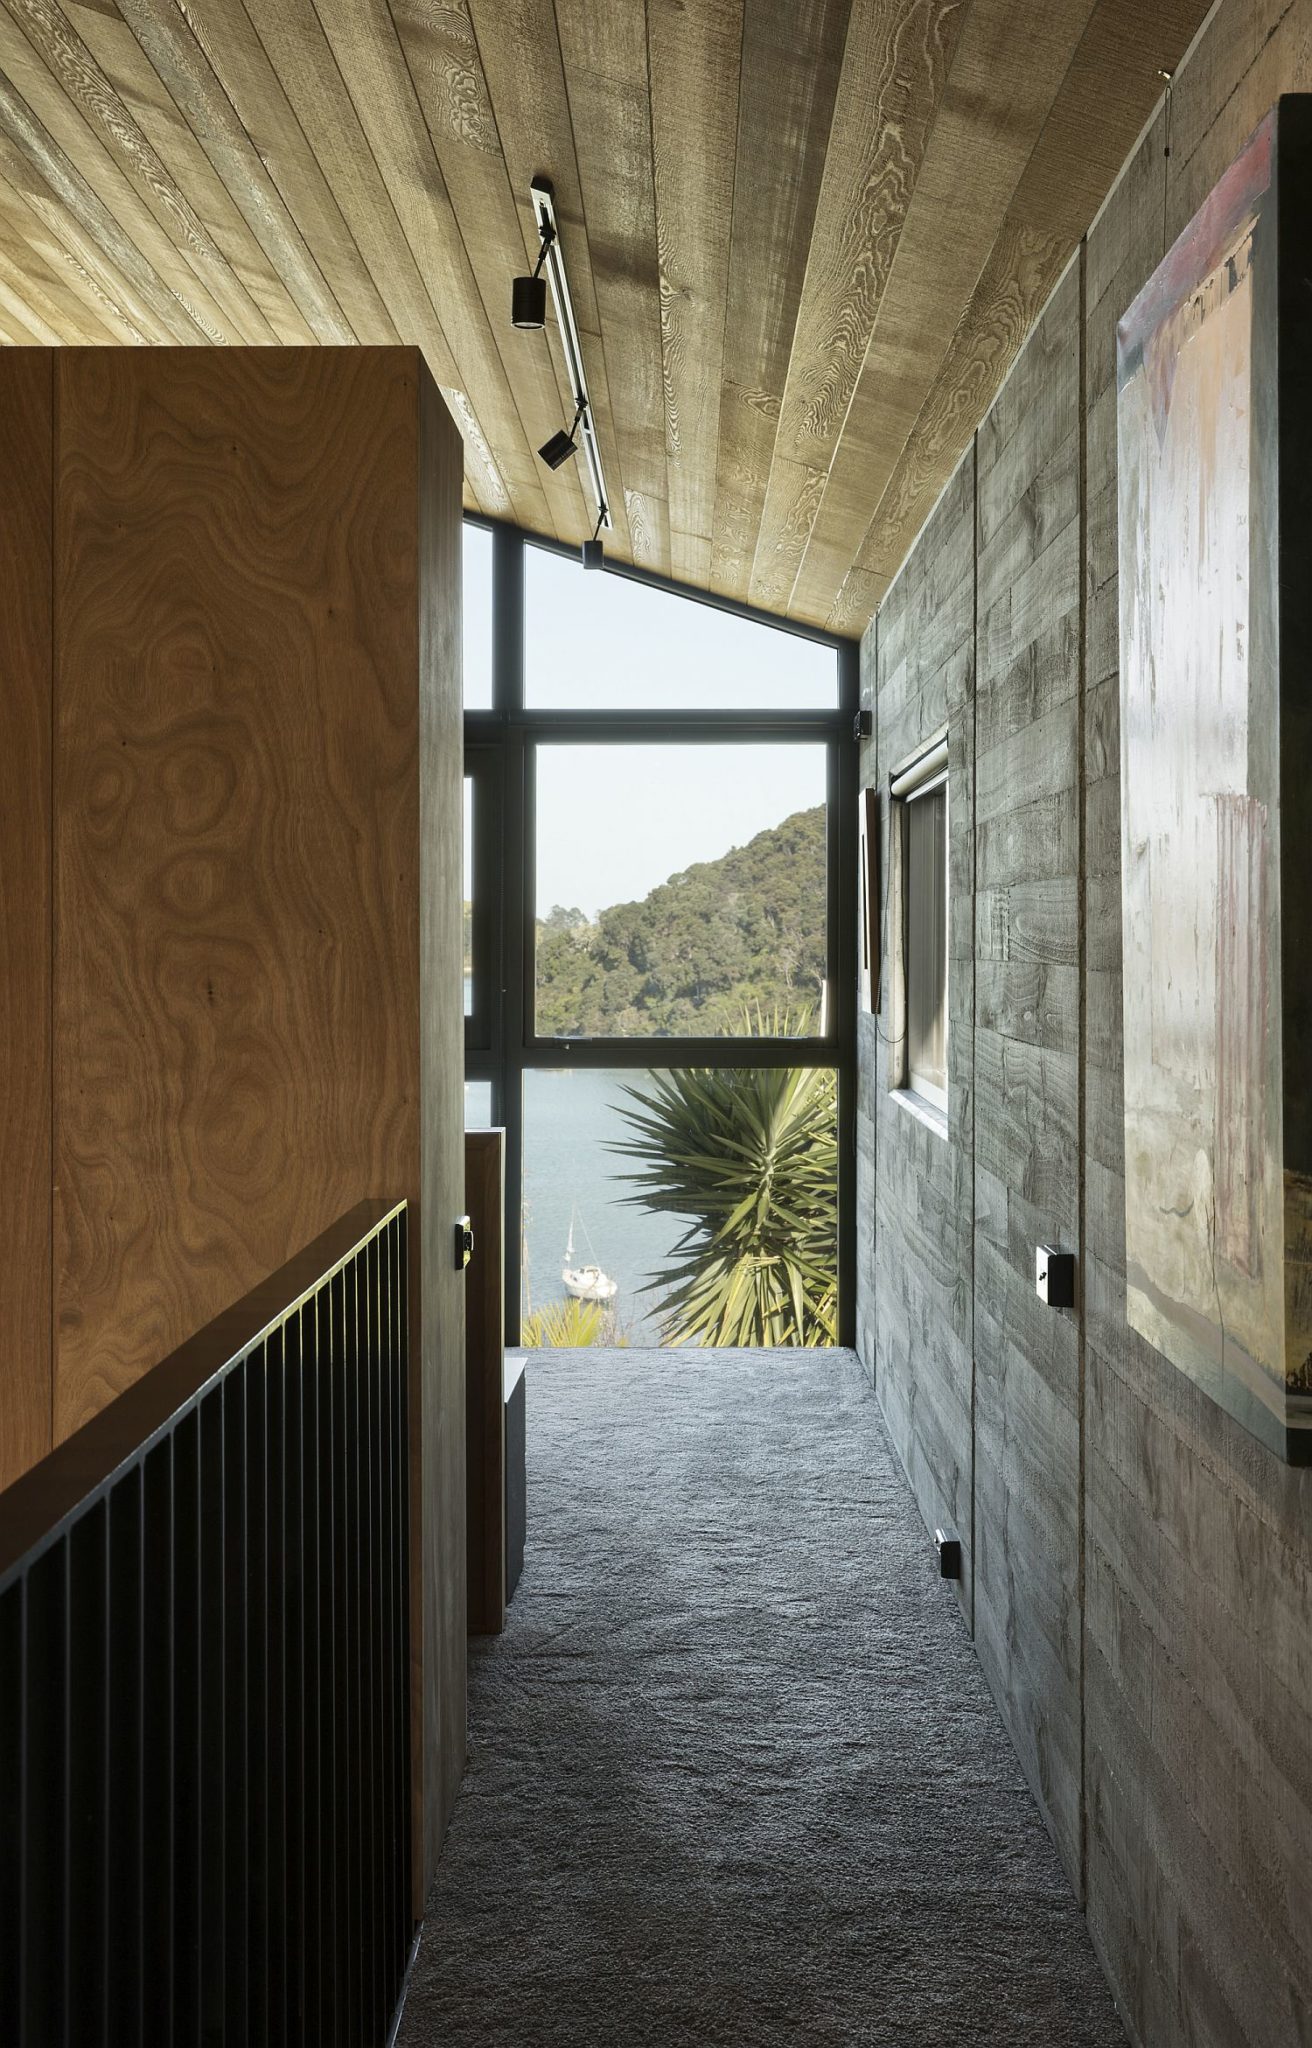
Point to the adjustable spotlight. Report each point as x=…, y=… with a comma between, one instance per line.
x=528, y=301
x=558, y=449
x=528, y=295
x=594, y=554
x=562, y=445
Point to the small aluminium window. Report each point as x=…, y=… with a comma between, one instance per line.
x=922, y=788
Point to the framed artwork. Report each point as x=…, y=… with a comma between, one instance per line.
x=868, y=822
x=1214, y=411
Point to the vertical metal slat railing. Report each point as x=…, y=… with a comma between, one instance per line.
x=204, y=1683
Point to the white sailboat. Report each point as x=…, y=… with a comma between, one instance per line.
x=587, y=1282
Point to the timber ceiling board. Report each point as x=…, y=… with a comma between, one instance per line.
x=804, y=237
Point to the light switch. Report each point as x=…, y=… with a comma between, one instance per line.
x=1054, y=1276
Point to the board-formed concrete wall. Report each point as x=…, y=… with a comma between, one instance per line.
x=1139, y=1569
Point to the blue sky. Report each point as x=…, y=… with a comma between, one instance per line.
x=615, y=821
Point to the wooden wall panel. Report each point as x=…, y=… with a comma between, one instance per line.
x=485, y=1399
x=441, y=1079
x=237, y=818
x=26, y=684
x=257, y=955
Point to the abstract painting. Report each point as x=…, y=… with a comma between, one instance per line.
x=1212, y=422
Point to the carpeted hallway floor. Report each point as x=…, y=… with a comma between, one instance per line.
x=735, y=1776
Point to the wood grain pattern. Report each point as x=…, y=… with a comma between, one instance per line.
x=257, y=966
x=804, y=242
x=87, y=92
x=897, y=59
x=775, y=196
x=26, y=710
x=604, y=52
x=442, y=57
x=693, y=69
x=485, y=1408
x=442, y=1118
x=236, y=958
x=1007, y=67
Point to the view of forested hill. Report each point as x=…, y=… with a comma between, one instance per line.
x=743, y=930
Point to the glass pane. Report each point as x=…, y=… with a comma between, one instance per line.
x=927, y=945
x=604, y=642
x=617, y=1243
x=467, y=918
x=478, y=1105
x=477, y=607
x=680, y=891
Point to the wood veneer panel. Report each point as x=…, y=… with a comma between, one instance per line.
x=485, y=1406
x=442, y=1077
x=237, y=804
x=26, y=428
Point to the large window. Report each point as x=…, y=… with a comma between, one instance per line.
x=921, y=789
x=663, y=800
x=477, y=617
x=629, y=1174
x=680, y=890
x=611, y=643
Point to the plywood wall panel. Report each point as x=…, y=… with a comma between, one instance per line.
x=237, y=816
x=257, y=792
x=26, y=707
x=441, y=1080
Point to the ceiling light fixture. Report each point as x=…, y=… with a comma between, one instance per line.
x=562, y=445
x=528, y=295
x=594, y=554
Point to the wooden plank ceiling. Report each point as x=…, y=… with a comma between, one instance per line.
x=804, y=237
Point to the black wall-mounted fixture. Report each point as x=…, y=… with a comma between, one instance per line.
x=527, y=299
x=1054, y=1276
x=948, y=1545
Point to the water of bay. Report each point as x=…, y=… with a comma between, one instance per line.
x=570, y=1120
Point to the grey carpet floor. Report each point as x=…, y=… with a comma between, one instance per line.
x=735, y=1776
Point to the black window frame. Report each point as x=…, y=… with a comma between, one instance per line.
x=500, y=1041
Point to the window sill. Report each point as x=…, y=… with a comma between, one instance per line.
x=924, y=1112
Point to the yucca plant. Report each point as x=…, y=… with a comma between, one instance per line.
x=750, y=1157
x=570, y=1325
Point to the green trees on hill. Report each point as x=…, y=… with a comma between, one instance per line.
x=745, y=930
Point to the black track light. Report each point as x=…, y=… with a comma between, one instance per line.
x=528, y=301
x=562, y=445
x=528, y=295
x=594, y=554
x=529, y=307
x=558, y=449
